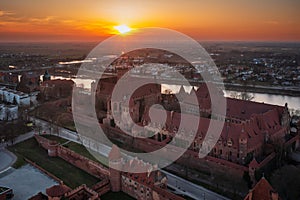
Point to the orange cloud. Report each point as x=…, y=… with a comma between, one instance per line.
x=203, y=20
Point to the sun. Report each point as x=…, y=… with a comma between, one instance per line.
x=122, y=28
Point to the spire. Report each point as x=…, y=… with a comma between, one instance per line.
x=254, y=164
x=193, y=91
x=115, y=153
x=181, y=90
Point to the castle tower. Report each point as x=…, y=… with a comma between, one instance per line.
x=253, y=166
x=243, y=144
x=285, y=118
x=52, y=149
x=115, y=166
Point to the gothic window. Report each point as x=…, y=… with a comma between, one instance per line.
x=229, y=143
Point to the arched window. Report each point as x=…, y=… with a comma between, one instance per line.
x=229, y=142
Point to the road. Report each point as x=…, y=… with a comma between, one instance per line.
x=180, y=185
x=6, y=160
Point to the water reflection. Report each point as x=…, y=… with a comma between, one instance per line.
x=293, y=102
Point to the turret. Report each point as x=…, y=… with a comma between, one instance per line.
x=253, y=166
x=285, y=118
x=52, y=148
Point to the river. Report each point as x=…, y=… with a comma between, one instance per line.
x=293, y=102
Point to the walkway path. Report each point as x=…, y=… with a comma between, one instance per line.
x=26, y=182
x=6, y=159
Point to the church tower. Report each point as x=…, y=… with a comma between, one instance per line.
x=46, y=76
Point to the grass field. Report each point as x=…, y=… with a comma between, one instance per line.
x=71, y=175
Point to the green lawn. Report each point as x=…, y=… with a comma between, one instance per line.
x=71, y=175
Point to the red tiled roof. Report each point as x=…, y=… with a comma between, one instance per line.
x=254, y=164
x=57, y=190
x=39, y=196
x=262, y=191
x=245, y=109
x=57, y=82
x=114, y=154
x=253, y=129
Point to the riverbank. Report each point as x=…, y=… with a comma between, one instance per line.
x=289, y=91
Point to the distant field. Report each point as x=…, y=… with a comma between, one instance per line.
x=71, y=175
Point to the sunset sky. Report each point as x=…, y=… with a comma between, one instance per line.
x=32, y=20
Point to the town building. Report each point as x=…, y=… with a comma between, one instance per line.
x=56, y=89
x=29, y=82
x=8, y=112
x=9, y=79
x=14, y=97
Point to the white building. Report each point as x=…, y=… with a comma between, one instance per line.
x=12, y=96
x=8, y=112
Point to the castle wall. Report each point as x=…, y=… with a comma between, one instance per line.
x=129, y=186
x=75, y=159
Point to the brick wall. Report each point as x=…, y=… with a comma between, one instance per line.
x=75, y=159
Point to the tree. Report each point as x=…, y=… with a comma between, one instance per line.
x=286, y=181
x=279, y=150
x=242, y=95
x=246, y=96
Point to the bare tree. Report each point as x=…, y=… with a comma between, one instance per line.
x=242, y=95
